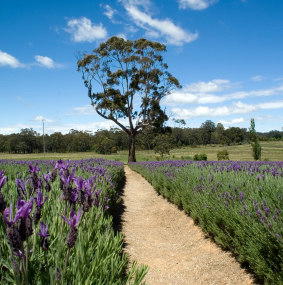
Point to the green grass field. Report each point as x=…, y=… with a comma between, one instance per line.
x=270, y=150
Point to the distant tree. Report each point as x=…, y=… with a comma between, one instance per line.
x=223, y=155
x=104, y=145
x=28, y=136
x=208, y=127
x=180, y=122
x=58, y=142
x=164, y=143
x=256, y=148
x=125, y=71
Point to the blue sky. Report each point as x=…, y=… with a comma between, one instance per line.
x=227, y=55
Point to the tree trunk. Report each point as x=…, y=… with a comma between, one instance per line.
x=132, y=148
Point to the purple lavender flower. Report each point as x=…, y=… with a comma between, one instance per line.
x=46, y=178
x=44, y=242
x=2, y=181
x=21, y=188
x=263, y=176
x=74, y=219
x=20, y=254
x=25, y=208
x=277, y=211
x=39, y=199
x=274, y=217
x=78, y=182
x=9, y=213
x=44, y=230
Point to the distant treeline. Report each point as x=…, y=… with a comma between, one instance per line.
x=113, y=140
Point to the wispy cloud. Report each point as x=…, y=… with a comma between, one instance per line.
x=41, y=118
x=84, y=110
x=83, y=30
x=203, y=93
x=196, y=4
x=9, y=60
x=257, y=78
x=236, y=108
x=173, y=34
x=109, y=13
x=232, y=122
x=278, y=79
x=140, y=12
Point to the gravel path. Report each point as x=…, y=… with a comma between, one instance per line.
x=157, y=233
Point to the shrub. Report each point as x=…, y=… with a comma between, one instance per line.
x=223, y=155
x=200, y=157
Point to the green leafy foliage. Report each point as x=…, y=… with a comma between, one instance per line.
x=223, y=155
x=120, y=71
x=200, y=157
x=256, y=148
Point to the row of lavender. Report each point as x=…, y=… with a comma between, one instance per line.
x=238, y=203
x=55, y=223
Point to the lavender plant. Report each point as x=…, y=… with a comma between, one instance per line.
x=82, y=249
x=239, y=204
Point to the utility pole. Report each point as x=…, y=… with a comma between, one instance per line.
x=43, y=139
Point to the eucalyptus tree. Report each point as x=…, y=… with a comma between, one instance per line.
x=126, y=81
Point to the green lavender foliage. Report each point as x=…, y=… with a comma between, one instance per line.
x=229, y=200
x=97, y=257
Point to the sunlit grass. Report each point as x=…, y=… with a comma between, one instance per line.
x=272, y=151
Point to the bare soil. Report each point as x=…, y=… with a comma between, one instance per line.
x=176, y=250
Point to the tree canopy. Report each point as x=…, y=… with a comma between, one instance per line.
x=129, y=80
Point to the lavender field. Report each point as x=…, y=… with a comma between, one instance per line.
x=238, y=204
x=56, y=226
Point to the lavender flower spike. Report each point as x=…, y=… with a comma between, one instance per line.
x=45, y=241
x=43, y=230
x=2, y=181
x=39, y=199
x=74, y=219
x=9, y=212
x=26, y=208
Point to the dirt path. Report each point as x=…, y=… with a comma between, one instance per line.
x=157, y=233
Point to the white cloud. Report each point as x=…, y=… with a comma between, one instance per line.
x=201, y=111
x=45, y=61
x=278, y=79
x=40, y=119
x=271, y=105
x=8, y=60
x=236, y=108
x=207, y=87
x=241, y=108
x=257, y=78
x=201, y=93
x=109, y=12
x=85, y=110
x=83, y=30
x=196, y=4
x=232, y=122
x=173, y=34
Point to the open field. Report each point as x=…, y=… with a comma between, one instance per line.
x=270, y=150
